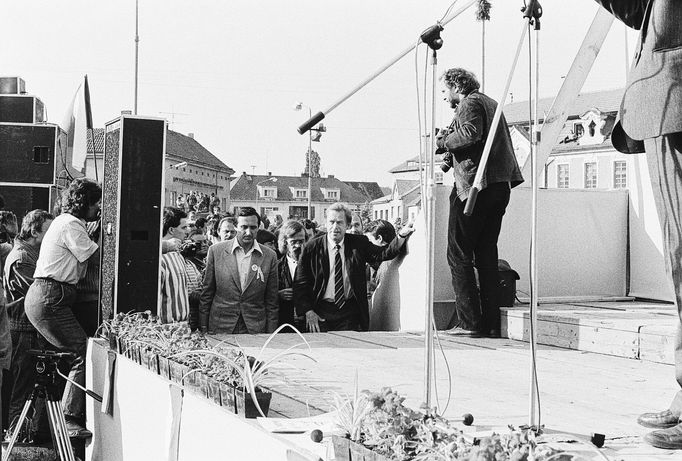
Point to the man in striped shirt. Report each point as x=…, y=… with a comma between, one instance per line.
x=174, y=289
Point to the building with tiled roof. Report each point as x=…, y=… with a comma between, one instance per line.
x=200, y=171
x=371, y=190
x=287, y=196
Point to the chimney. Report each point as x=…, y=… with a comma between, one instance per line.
x=330, y=176
x=190, y=135
x=304, y=175
x=126, y=112
x=269, y=173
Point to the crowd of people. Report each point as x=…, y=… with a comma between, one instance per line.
x=219, y=272
x=198, y=201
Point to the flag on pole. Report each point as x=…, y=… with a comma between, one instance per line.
x=77, y=122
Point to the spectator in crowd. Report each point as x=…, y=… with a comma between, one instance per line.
x=192, y=201
x=330, y=285
x=174, y=286
x=266, y=224
x=212, y=230
x=310, y=228
x=8, y=230
x=274, y=227
x=267, y=238
x=292, y=237
x=240, y=284
x=180, y=202
x=204, y=203
x=17, y=278
x=227, y=229
x=215, y=202
x=191, y=251
x=383, y=279
x=355, y=225
x=191, y=217
x=61, y=264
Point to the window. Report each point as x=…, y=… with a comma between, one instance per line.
x=439, y=177
x=411, y=164
x=620, y=174
x=268, y=192
x=562, y=178
x=578, y=129
x=301, y=193
x=333, y=194
x=591, y=175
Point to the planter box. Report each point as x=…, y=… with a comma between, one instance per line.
x=246, y=407
x=164, y=367
x=177, y=370
x=149, y=360
x=213, y=390
x=227, y=397
x=193, y=383
x=347, y=450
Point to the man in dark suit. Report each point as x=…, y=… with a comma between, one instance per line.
x=330, y=284
x=292, y=237
x=651, y=121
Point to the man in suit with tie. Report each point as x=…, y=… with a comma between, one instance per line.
x=240, y=283
x=330, y=284
x=651, y=122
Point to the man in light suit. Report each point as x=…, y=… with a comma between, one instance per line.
x=651, y=121
x=330, y=284
x=240, y=284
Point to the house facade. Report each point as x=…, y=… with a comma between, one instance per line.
x=287, y=196
x=188, y=166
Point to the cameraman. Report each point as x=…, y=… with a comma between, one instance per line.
x=472, y=240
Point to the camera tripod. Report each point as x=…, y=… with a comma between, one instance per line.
x=46, y=387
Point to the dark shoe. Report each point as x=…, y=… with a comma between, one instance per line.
x=459, y=331
x=75, y=430
x=493, y=334
x=669, y=439
x=660, y=420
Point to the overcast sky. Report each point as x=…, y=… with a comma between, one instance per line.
x=231, y=71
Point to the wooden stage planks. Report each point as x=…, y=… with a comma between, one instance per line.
x=581, y=392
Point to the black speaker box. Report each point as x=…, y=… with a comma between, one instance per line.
x=12, y=85
x=132, y=198
x=32, y=154
x=17, y=108
x=22, y=199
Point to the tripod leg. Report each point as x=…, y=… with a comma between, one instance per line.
x=17, y=428
x=61, y=434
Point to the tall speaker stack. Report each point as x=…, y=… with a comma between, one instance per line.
x=32, y=151
x=132, y=194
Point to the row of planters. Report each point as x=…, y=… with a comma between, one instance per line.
x=220, y=373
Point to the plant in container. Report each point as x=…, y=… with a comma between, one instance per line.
x=249, y=374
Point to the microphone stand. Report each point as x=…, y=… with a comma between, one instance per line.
x=431, y=37
x=318, y=117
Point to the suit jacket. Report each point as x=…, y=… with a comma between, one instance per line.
x=286, y=308
x=466, y=139
x=312, y=273
x=652, y=102
x=222, y=299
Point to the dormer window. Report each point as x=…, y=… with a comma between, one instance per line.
x=332, y=195
x=592, y=127
x=301, y=193
x=578, y=129
x=268, y=192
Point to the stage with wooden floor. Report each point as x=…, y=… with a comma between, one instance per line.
x=581, y=392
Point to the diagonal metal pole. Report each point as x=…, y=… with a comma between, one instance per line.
x=318, y=117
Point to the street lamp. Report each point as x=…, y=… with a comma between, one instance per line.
x=299, y=106
x=258, y=184
x=311, y=137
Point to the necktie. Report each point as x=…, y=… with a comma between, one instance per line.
x=339, y=298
